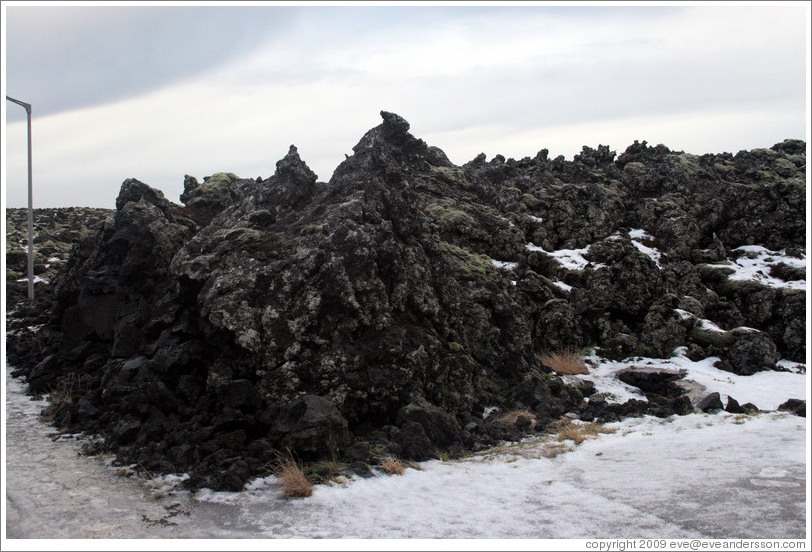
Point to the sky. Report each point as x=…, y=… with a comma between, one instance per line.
x=155, y=91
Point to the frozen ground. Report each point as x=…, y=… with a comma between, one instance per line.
x=767, y=390
x=714, y=476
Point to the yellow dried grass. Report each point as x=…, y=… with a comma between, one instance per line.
x=295, y=483
x=578, y=433
x=392, y=466
x=567, y=362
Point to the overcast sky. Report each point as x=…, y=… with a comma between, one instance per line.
x=154, y=92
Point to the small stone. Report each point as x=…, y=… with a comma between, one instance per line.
x=710, y=403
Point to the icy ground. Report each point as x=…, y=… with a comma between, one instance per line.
x=714, y=476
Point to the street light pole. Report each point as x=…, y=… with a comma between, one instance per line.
x=27, y=108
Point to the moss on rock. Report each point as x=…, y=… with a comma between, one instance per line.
x=450, y=218
x=469, y=266
x=450, y=175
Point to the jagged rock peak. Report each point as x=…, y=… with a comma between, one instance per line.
x=292, y=165
x=135, y=190
x=394, y=125
x=394, y=131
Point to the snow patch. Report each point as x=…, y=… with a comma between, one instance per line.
x=684, y=314
x=563, y=286
x=36, y=279
x=603, y=374
x=504, y=265
x=650, y=252
x=756, y=263
x=767, y=389
x=790, y=366
x=710, y=326
x=488, y=411
x=164, y=485
x=571, y=259
x=637, y=234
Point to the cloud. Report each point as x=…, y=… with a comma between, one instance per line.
x=469, y=80
x=62, y=58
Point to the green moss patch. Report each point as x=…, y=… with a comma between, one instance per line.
x=450, y=218
x=469, y=266
x=215, y=190
x=450, y=175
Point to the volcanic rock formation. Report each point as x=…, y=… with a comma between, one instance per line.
x=385, y=310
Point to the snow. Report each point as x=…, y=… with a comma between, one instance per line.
x=504, y=265
x=489, y=410
x=767, y=390
x=680, y=477
x=794, y=367
x=710, y=326
x=36, y=279
x=650, y=252
x=562, y=285
x=603, y=373
x=637, y=234
x=571, y=259
x=755, y=266
x=536, y=219
x=510, y=222
x=684, y=314
x=695, y=476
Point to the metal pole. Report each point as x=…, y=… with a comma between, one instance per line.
x=27, y=108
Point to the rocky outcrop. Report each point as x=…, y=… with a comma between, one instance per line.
x=385, y=310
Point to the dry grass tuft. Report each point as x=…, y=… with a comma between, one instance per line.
x=554, y=449
x=578, y=433
x=295, y=483
x=513, y=416
x=565, y=362
x=61, y=397
x=392, y=466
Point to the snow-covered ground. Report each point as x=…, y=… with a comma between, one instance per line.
x=676, y=478
x=767, y=390
x=702, y=475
